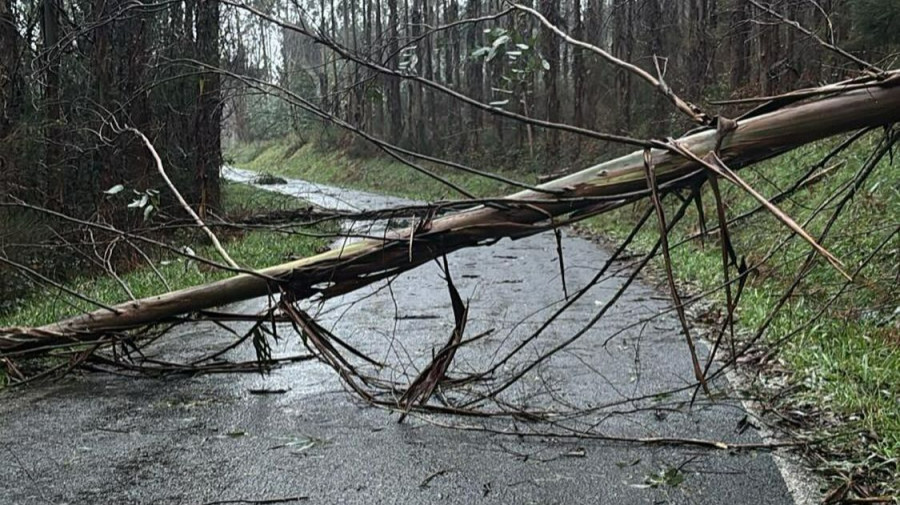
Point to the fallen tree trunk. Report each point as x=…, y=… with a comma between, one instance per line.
x=576, y=196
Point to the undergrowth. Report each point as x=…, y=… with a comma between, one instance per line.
x=250, y=249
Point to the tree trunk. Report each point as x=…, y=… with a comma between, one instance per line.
x=550, y=51
x=623, y=46
x=454, y=67
x=416, y=100
x=596, y=73
x=474, y=74
x=54, y=154
x=10, y=77
x=208, y=119
x=740, y=47
x=379, y=126
x=350, y=267
x=393, y=83
x=428, y=67
x=578, y=69
x=323, y=69
x=10, y=100
x=336, y=104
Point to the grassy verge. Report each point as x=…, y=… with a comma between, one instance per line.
x=251, y=249
x=290, y=157
x=840, y=374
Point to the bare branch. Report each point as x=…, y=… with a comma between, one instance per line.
x=690, y=110
x=827, y=45
x=181, y=200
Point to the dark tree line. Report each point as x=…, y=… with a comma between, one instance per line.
x=705, y=50
x=72, y=73
x=71, y=70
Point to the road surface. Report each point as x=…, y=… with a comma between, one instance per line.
x=97, y=439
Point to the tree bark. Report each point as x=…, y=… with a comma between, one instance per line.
x=740, y=46
x=348, y=268
x=208, y=121
x=393, y=83
x=578, y=69
x=10, y=77
x=550, y=51
x=10, y=99
x=475, y=74
x=623, y=47
x=53, y=107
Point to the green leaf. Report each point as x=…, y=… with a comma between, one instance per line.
x=499, y=41
x=672, y=477
x=141, y=202
x=492, y=53
x=115, y=189
x=481, y=51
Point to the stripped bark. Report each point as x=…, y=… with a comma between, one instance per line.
x=589, y=192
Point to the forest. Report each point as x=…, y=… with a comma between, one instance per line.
x=734, y=157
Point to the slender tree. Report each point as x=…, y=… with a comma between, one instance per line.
x=550, y=50
x=393, y=83
x=208, y=116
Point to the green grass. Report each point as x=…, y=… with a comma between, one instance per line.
x=241, y=199
x=250, y=249
x=307, y=160
x=844, y=369
x=845, y=366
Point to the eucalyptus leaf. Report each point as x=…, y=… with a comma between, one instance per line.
x=492, y=53
x=115, y=189
x=481, y=51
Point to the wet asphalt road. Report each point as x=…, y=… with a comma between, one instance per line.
x=96, y=439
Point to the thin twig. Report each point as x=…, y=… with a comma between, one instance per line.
x=181, y=200
x=827, y=45
x=719, y=168
x=265, y=501
x=57, y=285
x=692, y=111
x=670, y=276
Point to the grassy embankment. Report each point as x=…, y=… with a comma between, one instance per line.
x=250, y=249
x=842, y=373
x=380, y=174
